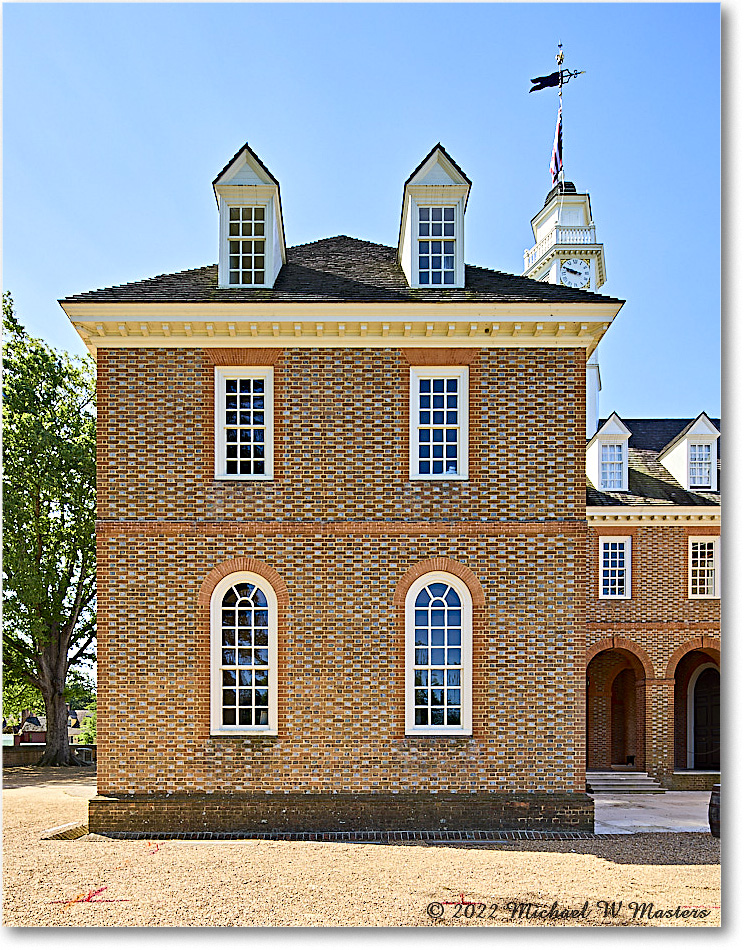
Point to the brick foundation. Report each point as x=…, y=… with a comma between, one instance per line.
x=323, y=812
x=691, y=781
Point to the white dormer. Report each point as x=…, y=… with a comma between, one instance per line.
x=607, y=456
x=692, y=456
x=252, y=248
x=431, y=243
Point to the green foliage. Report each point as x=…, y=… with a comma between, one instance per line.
x=49, y=505
x=17, y=696
x=88, y=728
x=80, y=691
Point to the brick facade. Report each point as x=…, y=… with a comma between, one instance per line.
x=340, y=534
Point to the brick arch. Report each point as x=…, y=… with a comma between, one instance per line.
x=439, y=564
x=234, y=566
x=620, y=643
x=705, y=644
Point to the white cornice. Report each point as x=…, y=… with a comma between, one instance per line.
x=709, y=515
x=174, y=328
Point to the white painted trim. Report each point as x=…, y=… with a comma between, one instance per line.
x=215, y=633
x=223, y=278
x=466, y=729
x=691, y=711
x=628, y=567
x=263, y=372
x=716, y=595
x=653, y=514
x=450, y=372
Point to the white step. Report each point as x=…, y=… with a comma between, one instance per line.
x=622, y=783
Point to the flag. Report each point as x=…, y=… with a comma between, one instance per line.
x=556, y=158
x=543, y=82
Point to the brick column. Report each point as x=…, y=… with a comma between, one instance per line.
x=660, y=728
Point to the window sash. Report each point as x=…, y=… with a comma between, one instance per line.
x=614, y=568
x=611, y=466
x=244, y=422
x=247, y=245
x=700, y=465
x=437, y=250
x=438, y=443
x=703, y=568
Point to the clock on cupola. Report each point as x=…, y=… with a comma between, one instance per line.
x=566, y=251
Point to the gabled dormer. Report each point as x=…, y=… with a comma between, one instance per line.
x=252, y=248
x=607, y=456
x=431, y=243
x=692, y=457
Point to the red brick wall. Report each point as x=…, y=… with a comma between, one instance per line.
x=341, y=526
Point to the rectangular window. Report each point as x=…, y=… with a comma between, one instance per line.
x=614, y=568
x=247, y=246
x=703, y=568
x=244, y=422
x=436, y=246
x=700, y=465
x=439, y=419
x=611, y=467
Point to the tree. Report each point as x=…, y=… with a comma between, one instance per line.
x=49, y=504
x=88, y=727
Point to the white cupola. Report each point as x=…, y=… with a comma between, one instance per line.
x=252, y=248
x=431, y=242
x=566, y=250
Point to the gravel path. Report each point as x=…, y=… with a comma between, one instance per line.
x=100, y=882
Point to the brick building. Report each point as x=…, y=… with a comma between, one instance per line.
x=347, y=559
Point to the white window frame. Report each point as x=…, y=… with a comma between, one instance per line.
x=220, y=446
x=712, y=479
x=216, y=727
x=626, y=540
x=466, y=600
x=461, y=373
x=224, y=263
x=716, y=595
x=623, y=445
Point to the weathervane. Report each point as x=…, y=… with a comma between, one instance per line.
x=559, y=78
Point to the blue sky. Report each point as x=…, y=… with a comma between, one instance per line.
x=118, y=116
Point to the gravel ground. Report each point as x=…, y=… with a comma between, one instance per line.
x=100, y=882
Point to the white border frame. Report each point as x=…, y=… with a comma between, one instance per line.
x=712, y=442
x=423, y=372
x=627, y=540
x=623, y=443
x=466, y=598
x=256, y=372
x=716, y=595
x=215, y=635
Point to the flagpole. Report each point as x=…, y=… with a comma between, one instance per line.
x=559, y=60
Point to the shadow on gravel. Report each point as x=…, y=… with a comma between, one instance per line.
x=667, y=848
x=25, y=776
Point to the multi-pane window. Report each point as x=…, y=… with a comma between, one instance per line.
x=247, y=246
x=614, y=567
x=438, y=410
x=244, y=422
x=700, y=465
x=611, y=466
x=438, y=651
x=703, y=567
x=436, y=246
x=244, y=651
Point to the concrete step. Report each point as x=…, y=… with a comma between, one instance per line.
x=622, y=783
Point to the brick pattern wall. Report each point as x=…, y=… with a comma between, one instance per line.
x=341, y=525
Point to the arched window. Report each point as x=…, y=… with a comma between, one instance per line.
x=439, y=616
x=244, y=656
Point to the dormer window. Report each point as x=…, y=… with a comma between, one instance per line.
x=607, y=456
x=252, y=248
x=437, y=252
x=247, y=245
x=432, y=225
x=700, y=465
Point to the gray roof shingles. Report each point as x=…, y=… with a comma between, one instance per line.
x=649, y=483
x=339, y=269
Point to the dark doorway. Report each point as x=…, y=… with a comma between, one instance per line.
x=707, y=721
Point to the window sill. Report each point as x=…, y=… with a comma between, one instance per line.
x=245, y=734
x=439, y=733
x=244, y=478
x=438, y=478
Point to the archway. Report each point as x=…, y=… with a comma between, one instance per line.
x=616, y=711
x=697, y=734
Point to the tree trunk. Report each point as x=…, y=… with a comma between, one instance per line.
x=57, y=750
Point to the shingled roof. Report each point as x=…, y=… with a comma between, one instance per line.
x=649, y=483
x=339, y=269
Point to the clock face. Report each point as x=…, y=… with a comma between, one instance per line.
x=575, y=272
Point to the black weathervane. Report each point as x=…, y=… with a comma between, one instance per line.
x=559, y=78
